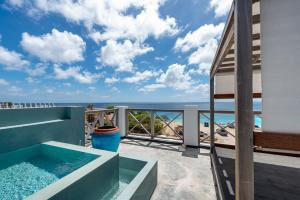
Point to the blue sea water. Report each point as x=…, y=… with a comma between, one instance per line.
x=219, y=118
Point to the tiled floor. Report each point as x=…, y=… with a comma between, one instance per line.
x=183, y=174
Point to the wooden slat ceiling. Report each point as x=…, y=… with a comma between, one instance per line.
x=224, y=58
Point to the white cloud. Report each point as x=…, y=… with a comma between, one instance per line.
x=50, y=91
x=220, y=7
x=121, y=55
x=16, y=3
x=176, y=77
x=58, y=47
x=141, y=76
x=203, y=56
x=96, y=36
x=111, y=15
x=106, y=20
x=67, y=84
x=38, y=70
x=202, y=88
x=115, y=89
x=31, y=80
x=14, y=90
x=11, y=60
x=111, y=80
x=92, y=88
x=3, y=82
x=203, y=68
x=199, y=37
x=151, y=87
x=80, y=76
x=158, y=58
x=205, y=39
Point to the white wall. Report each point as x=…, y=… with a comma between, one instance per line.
x=280, y=26
x=224, y=82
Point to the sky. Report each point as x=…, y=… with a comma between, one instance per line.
x=108, y=50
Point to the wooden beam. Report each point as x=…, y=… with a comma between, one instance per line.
x=256, y=19
x=212, y=114
x=254, y=56
x=256, y=36
x=244, y=167
x=255, y=61
x=228, y=59
x=226, y=42
x=231, y=69
x=254, y=48
x=231, y=96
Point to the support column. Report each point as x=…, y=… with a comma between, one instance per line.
x=122, y=121
x=212, y=114
x=191, y=125
x=244, y=173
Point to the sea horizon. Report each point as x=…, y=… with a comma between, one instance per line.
x=163, y=105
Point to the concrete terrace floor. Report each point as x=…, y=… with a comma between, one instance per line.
x=182, y=173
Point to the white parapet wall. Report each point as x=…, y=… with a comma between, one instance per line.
x=122, y=119
x=280, y=50
x=191, y=125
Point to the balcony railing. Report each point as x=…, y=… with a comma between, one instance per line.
x=155, y=123
x=168, y=124
x=224, y=126
x=99, y=117
x=7, y=105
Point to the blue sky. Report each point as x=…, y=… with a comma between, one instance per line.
x=108, y=50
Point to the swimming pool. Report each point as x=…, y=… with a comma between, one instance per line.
x=55, y=170
x=28, y=170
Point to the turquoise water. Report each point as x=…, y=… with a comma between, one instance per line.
x=125, y=177
x=219, y=118
x=26, y=171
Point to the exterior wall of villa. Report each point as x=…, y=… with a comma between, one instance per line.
x=224, y=82
x=25, y=127
x=280, y=38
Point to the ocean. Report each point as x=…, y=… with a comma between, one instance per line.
x=219, y=118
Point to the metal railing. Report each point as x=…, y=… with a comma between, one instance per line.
x=8, y=105
x=155, y=123
x=224, y=132
x=99, y=117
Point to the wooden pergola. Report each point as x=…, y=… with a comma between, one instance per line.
x=236, y=73
x=237, y=57
x=224, y=60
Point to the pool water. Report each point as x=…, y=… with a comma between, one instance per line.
x=26, y=171
x=125, y=177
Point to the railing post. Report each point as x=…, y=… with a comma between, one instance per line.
x=212, y=114
x=122, y=119
x=191, y=125
x=101, y=118
x=152, y=122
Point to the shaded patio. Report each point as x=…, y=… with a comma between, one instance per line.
x=183, y=173
x=275, y=176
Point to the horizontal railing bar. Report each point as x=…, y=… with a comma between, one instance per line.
x=226, y=111
x=155, y=110
x=95, y=110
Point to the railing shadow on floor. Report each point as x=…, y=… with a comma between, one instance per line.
x=186, y=151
